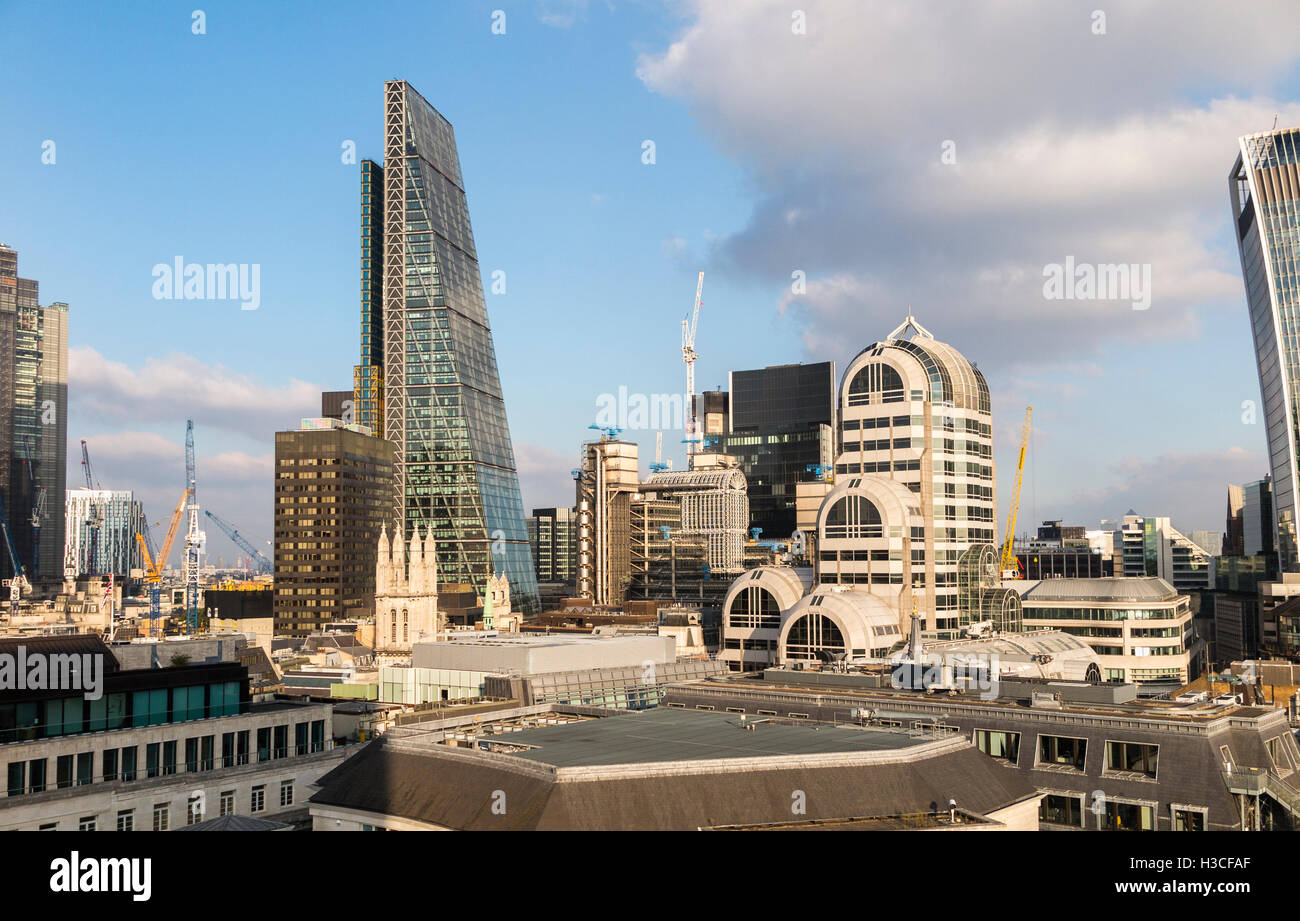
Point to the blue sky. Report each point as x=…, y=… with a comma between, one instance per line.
x=775, y=151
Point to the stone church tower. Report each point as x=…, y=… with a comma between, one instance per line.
x=406, y=592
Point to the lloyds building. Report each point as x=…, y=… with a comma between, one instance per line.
x=428, y=378
x=1265, y=189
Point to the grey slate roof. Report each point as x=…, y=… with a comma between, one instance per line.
x=457, y=788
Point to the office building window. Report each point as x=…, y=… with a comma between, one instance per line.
x=1128, y=817
x=1060, y=809
x=1132, y=756
x=162, y=814
x=1004, y=746
x=17, y=778
x=36, y=771
x=128, y=763
x=286, y=793
x=86, y=823
x=110, y=764
x=194, y=809
x=126, y=820
x=1063, y=750
x=228, y=802
x=258, y=800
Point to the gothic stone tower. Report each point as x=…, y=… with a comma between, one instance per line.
x=406, y=592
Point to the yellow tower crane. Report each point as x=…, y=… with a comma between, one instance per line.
x=1010, y=565
x=153, y=568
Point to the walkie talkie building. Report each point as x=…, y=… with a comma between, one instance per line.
x=429, y=373
x=1265, y=190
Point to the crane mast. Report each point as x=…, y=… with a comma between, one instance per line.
x=154, y=563
x=95, y=515
x=689, y=355
x=193, y=536
x=1010, y=566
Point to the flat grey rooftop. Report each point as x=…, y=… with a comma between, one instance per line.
x=1108, y=588
x=664, y=735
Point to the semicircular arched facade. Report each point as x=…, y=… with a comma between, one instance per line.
x=915, y=411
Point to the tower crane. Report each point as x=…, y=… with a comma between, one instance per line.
x=689, y=355
x=95, y=514
x=38, y=507
x=153, y=565
x=1010, y=565
x=193, y=536
x=17, y=582
x=258, y=558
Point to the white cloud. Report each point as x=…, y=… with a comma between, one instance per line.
x=1189, y=488
x=179, y=387
x=544, y=478
x=1067, y=144
x=233, y=484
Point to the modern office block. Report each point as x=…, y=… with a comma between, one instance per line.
x=33, y=421
x=119, y=518
x=332, y=497
x=554, y=536
x=780, y=426
x=1264, y=187
x=442, y=405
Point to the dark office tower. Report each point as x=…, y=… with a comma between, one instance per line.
x=333, y=492
x=1265, y=189
x=781, y=422
x=368, y=377
x=443, y=410
x=554, y=536
x=33, y=422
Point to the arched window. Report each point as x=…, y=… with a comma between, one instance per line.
x=754, y=607
x=812, y=635
x=876, y=378
x=853, y=516
x=393, y=620
x=406, y=620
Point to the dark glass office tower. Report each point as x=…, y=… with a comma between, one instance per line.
x=781, y=421
x=442, y=407
x=33, y=422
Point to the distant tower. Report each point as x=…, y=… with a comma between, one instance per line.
x=406, y=592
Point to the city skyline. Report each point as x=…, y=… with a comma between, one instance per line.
x=574, y=227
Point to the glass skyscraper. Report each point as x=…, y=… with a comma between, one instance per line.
x=427, y=348
x=780, y=422
x=33, y=421
x=1265, y=191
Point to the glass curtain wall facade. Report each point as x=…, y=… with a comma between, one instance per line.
x=443, y=408
x=781, y=421
x=368, y=377
x=33, y=421
x=1265, y=190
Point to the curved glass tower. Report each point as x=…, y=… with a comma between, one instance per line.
x=431, y=347
x=1265, y=190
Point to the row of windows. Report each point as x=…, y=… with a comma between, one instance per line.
x=194, y=810
x=1122, y=757
x=29, y=720
x=122, y=764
